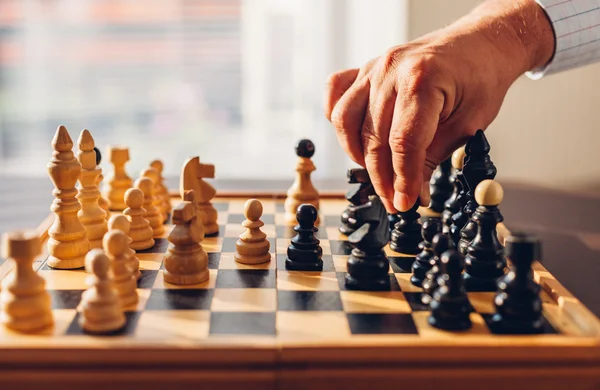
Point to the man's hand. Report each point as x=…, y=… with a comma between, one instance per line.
x=403, y=113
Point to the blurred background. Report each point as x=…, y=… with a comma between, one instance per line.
x=238, y=82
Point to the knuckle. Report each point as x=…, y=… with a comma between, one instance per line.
x=333, y=80
x=404, y=143
x=340, y=118
x=420, y=71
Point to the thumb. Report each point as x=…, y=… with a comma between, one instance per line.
x=415, y=122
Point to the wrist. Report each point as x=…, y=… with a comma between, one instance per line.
x=520, y=30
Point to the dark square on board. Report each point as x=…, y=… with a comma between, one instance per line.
x=160, y=246
x=363, y=323
x=147, y=279
x=213, y=260
x=246, y=278
x=309, y=301
x=131, y=317
x=242, y=323
x=65, y=299
x=180, y=299
x=401, y=264
x=340, y=248
x=221, y=206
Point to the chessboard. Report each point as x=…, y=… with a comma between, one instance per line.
x=263, y=326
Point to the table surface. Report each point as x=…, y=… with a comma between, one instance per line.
x=568, y=224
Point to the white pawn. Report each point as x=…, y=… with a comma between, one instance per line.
x=253, y=246
x=25, y=304
x=100, y=306
x=140, y=231
x=163, y=191
x=116, y=245
x=120, y=222
x=152, y=214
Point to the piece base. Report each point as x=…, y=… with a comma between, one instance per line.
x=260, y=259
x=303, y=266
x=353, y=283
x=454, y=325
x=75, y=263
x=176, y=279
x=142, y=245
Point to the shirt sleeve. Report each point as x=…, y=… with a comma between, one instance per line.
x=576, y=25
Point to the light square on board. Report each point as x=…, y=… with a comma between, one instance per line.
x=236, y=230
x=308, y=301
x=312, y=325
x=64, y=279
x=374, y=302
x=482, y=302
x=179, y=324
x=333, y=233
x=244, y=300
x=212, y=244
x=405, y=284
x=306, y=281
x=427, y=331
x=340, y=263
x=160, y=283
x=150, y=261
x=227, y=261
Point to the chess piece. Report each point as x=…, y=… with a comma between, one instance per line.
x=426, y=259
x=460, y=218
x=152, y=214
x=163, y=192
x=440, y=244
x=25, y=304
x=485, y=261
x=477, y=167
x=100, y=306
x=406, y=235
x=153, y=175
x=68, y=242
x=304, y=252
x=186, y=262
x=450, y=306
x=192, y=178
x=91, y=214
x=140, y=231
x=116, y=247
x=452, y=206
x=393, y=219
x=252, y=246
x=368, y=266
x=356, y=196
x=302, y=190
x=190, y=196
x=102, y=201
x=440, y=186
x=118, y=181
x=518, y=303
x=120, y=222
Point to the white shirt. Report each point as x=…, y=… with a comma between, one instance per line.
x=576, y=25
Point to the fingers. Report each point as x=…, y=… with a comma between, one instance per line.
x=375, y=135
x=347, y=117
x=337, y=84
x=412, y=131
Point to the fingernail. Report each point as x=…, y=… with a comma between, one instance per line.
x=401, y=202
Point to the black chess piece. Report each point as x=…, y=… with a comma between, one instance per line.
x=304, y=252
x=98, y=155
x=368, y=266
x=356, y=196
x=450, y=306
x=440, y=186
x=441, y=243
x=406, y=235
x=452, y=206
x=518, y=303
x=305, y=148
x=477, y=168
x=426, y=259
x=393, y=219
x=485, y=261
x=459, y=219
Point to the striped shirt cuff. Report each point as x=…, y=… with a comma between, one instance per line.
x=576, y=25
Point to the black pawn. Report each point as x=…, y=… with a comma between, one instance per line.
x=441, y=243
x=305, y=148
x=406, y=235
x=450, y=307
x=356, y=196
x=393, y=219
x=305, y=252
x=426, y=259
x=518, y=304
x=368, y=266
x=485, y=261
x=477, y=168
x=440, y=186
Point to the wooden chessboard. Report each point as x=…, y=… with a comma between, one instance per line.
x=264, y=327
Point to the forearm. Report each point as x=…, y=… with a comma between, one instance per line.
x=518, y=28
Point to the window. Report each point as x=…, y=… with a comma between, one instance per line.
x=236, y=82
